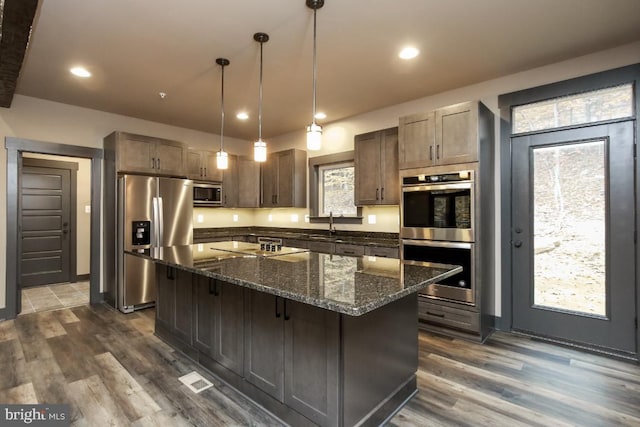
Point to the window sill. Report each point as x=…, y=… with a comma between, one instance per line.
x=336, y=219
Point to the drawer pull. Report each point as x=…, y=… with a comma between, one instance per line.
x=435, y=314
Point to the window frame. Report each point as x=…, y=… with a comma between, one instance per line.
x=315, y=166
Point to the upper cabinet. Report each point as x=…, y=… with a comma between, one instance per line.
x=446, y=136
x=201, y=166
x=284, y=179
x=148, y=155
x=248, y=188
x=376, y=168
x=241, y=183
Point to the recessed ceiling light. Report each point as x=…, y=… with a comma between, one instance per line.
x=408, y=53
x=320, y=116
x=242, y=115
x=80, y=72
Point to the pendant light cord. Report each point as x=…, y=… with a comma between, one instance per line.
x=315, y=67
x=260, y=106
x=222, y=112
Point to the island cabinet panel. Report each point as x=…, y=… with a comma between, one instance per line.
x=264, y=343
x=312, y=362
x=219, y=322
x=174, y=302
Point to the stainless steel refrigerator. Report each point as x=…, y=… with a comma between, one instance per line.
x=153, y=213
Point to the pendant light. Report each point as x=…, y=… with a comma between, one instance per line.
x=260, y=147
x=314, y=130
x=222, y=157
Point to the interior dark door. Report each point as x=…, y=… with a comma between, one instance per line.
x=573, y=235
x=45, y=213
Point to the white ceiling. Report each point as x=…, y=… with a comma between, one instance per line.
x=137, y=48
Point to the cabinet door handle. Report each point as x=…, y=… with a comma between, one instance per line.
x=431, y=152
x=377, y=192
x=205, y=171
x=286, y=315
x=213, y=288
x=435, y=314
x=171, y=273
x=438, y=152
x=153, y=163
x=201, y=173
x=158, y=163
x=349, y=252
x=277, y=312
x=382, y=194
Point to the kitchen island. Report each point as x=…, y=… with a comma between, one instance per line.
x=314, y=338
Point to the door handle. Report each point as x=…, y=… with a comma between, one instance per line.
x=205, y=172
x=438, y=152
x=431, y=152
x=517, y=243
x=377, y=191
x=201, y=173
x=382, y=194
x=286, y=315
x=158, y=163
x=213, y=288
x=153, y=163
x=277, y=312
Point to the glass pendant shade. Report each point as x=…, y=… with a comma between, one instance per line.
x=260, y=151
x=314, y=137
x=222, y=159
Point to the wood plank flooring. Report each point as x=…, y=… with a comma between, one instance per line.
x=114, y=371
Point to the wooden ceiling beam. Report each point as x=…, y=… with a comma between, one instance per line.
x=16, y=20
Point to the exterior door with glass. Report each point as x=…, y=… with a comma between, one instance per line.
x=573, y=228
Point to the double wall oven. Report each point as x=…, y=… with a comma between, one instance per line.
x=437, y=225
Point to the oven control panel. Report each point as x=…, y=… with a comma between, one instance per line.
x=428, y=179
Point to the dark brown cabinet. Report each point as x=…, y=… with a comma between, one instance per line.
x=230, y=194
x=149, y=155
x=446, y=136
x=174, y=302
x=292, y=353
x=376, y=168
x=264, y=342
x=284, y=181
x=248, y=188
x=201, y=166
x=219, y=322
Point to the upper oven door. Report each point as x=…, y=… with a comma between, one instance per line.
x=438, y=212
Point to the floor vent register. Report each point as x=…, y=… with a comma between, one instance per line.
x=195, y=382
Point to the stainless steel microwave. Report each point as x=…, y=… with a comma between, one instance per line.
x=207, y=194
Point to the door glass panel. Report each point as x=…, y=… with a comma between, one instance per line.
x=595, y=106
x=569, y=200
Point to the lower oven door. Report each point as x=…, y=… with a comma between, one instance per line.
x=459, y=288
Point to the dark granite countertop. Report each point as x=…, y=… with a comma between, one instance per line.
x=345, y=284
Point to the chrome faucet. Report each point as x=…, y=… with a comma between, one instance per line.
x=332, y=228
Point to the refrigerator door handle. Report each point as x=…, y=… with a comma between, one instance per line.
x=160, y=223
x=156, y=222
